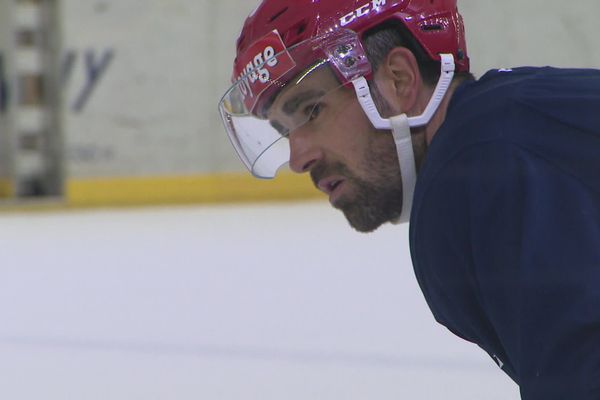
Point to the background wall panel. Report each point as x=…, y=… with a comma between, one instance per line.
x=534, y=32
x=141, y=78
x=6, y=27
x=150, y=112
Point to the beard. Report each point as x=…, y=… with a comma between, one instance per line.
x=376, y=198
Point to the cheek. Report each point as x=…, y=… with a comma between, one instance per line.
x=355, y=129
x=381, y=160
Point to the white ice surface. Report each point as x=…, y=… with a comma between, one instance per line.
x=256, y=302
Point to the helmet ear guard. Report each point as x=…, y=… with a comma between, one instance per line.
x=368, y=105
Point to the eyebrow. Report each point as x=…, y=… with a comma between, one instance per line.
x=279, y=127
x=290, y=106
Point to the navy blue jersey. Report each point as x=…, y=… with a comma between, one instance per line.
x=505, y=227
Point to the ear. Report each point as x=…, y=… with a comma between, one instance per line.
x=398, y=78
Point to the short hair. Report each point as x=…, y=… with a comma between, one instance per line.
x=380, y=40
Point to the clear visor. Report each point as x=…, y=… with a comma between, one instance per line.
x=275, y=99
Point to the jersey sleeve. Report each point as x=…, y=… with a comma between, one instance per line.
x=534, y=232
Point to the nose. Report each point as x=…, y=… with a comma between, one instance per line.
x=304, y=152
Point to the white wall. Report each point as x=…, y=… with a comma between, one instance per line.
x=153, y=109
x=514, y=33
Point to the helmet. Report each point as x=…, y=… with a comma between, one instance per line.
x=435, y=24
x=284, y=43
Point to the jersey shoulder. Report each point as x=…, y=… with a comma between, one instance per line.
x=548, y=111
x=567, y=95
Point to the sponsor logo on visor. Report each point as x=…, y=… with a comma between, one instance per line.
x=261, y=66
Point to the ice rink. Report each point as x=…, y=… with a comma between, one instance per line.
x=266, y=302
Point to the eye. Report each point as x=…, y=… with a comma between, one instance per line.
x=283, y=131
x=313, y=111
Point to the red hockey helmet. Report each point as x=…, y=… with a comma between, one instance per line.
x=435, y=24
x=284, y=42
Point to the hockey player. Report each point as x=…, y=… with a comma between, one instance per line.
x=500, y=177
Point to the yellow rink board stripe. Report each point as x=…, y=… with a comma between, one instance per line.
x=6, y=188
x=219, y=188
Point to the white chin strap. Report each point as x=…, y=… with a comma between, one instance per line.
x=400, y=126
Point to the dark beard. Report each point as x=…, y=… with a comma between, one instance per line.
x=372, y=206
x=376, y=201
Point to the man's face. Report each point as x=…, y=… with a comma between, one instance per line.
x=332, y=139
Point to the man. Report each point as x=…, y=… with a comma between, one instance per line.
x=505, y=213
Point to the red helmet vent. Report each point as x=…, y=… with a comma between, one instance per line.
x=278, y=14
x=432, y=28
x=294, y=34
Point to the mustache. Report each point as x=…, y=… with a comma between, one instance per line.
x=323, y=170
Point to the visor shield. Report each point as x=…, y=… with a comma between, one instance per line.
x=282, y=93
